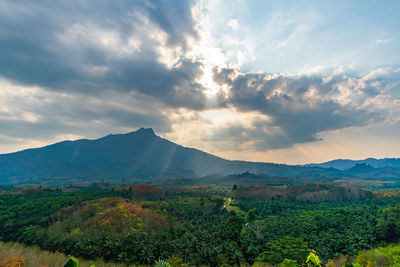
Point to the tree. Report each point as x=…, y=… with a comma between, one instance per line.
x=284, y=248
x=252, y=215
x=234, y=224
x=288, y=263
x=313, y=259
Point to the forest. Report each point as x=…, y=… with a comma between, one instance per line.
x=205, y=225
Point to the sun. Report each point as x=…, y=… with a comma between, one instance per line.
x=211, y=87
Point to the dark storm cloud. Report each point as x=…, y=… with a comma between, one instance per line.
x=62, y=46
x=95, y=67
x=60, y=125
x=297, y=108
x=99, y=63
x=77, y=114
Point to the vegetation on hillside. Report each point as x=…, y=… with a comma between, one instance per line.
x=142, y=224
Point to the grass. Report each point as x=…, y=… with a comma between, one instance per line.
x=17, y=255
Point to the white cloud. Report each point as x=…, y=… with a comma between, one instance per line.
x=282, y=44
x=233, y=23
x=70, y=73
x=300, y=107
x=383, y=41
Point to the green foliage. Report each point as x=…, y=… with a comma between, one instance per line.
x=347, y=262
x=162, y=263
x=382, y=256
x=19, y=214
x=234, y=225
x=260, y=264
x=388, y=226
x=72, y=262
x=175, y=261
x=288, y=263
x=192, y=227
x=252, y=215
x=313, y=259
x=286, y=247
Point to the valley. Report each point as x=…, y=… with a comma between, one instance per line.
x=200, y=224
x=135, y=199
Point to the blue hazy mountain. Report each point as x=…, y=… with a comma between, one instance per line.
x=346, y=164
x=139, y=155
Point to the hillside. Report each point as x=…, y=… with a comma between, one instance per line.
x=139, y=155
x=140, y=224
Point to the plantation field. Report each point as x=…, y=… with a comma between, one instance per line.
x=195, y=225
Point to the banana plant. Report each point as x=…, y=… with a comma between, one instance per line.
x=73, y=262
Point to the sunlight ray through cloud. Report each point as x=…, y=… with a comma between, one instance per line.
x=255, y=77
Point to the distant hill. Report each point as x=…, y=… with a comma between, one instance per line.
x=345, y=164
x=135, y=156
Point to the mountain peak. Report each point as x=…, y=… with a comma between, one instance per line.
x=144, y=132
x=148, y=131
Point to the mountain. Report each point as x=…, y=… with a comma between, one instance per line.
x=345, y=164
x=139, y=155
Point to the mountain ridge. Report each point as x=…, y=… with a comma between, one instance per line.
x=137, y=155
x=346, y=164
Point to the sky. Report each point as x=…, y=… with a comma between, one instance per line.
x=274, y=81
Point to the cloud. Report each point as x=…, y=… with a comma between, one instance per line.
x=77, y=68
x=34, y=113
x=383, y=41
x=68, y=68
x=281, y=44
x=295, y=109
x=121, y=46
x=233, y=23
